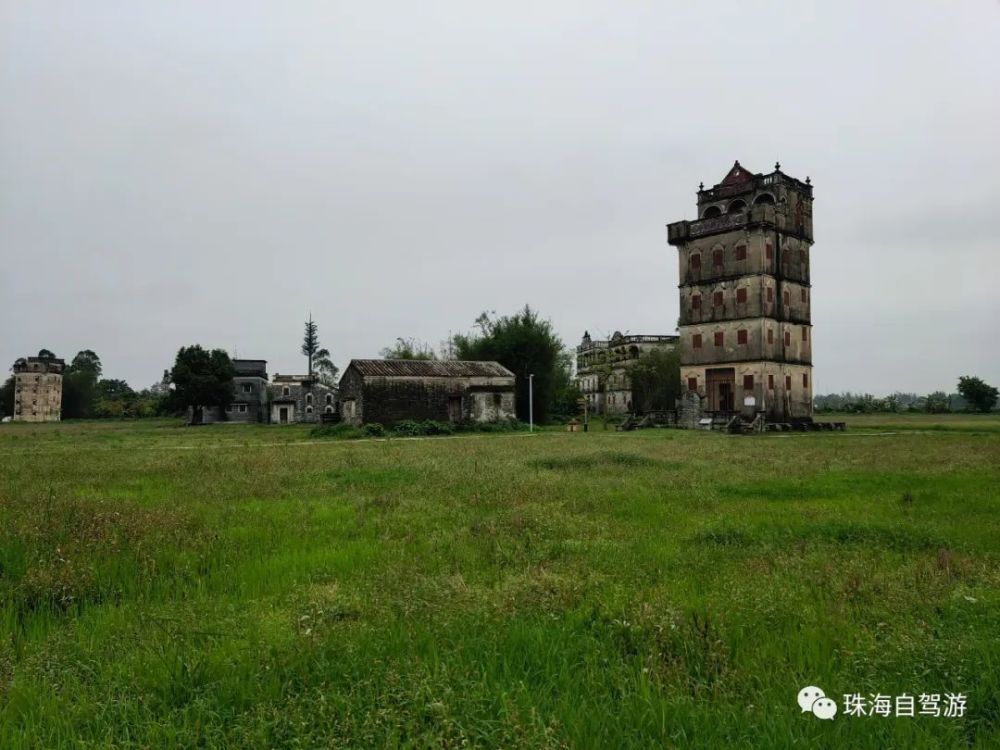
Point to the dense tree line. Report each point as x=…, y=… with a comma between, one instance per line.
x=972, y=395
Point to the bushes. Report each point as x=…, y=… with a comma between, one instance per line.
x=412, y=428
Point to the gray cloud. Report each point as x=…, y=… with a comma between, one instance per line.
x=188, y=172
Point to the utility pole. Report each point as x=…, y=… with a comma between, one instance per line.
x=531, y=402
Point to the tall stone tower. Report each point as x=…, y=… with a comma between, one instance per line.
x=745, y=297
x=38, y=389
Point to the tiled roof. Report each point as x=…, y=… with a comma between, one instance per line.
x=422, y=368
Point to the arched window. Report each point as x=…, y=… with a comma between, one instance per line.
x=329, y=410
x=309, y=410
x=711, y=212
x=309, y=399
x=329, y=398
x=764, y=199
x=736, y=206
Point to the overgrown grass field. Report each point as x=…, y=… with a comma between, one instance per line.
x=163, y=586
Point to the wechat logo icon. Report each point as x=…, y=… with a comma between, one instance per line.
x=813, y=700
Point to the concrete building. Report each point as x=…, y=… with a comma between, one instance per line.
x=745, y=295
x=250, y=394
x=390, y=390
x=602, y=368
x=289, y=399
x=299, y=398
x=38, y=389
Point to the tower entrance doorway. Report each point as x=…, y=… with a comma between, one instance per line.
x=720, y=387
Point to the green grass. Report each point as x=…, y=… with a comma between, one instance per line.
x=249, y=586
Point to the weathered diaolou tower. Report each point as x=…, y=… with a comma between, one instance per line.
x=746, y=332
x=38, y=389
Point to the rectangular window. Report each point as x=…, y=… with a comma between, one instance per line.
x=770, y=335
x=741, y=336
x=770, y=382
x=788, y=382
x=719, y=338
x=695, y=301
x=788, y=338
x=717, y=299
x=692, y=384
x=248, y=388
x=741, y=296
x=805, y=333
x=785, y=298
x=805, y=380
x=770, y=294
x=769, y=251
x=802, y=257
x=802, y=294
x=741, y=252
x=696, y=341
x=696, y=262
x=242, y=408
x=748, y=382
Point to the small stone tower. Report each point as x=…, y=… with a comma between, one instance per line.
x=745, y=297
x=38, y=389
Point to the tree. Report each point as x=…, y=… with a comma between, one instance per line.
x=114, y=390
x=46, y=354
x=937, y=402
x=310, y=342
x=7, y=398
x=566, y=395
x=79, y=385
x=319, y=359
x=656, y=380
x=202, y=378
x=524, y=344
x=326, y=371
x=408, y=349
x=979, y=395
x=86, y=361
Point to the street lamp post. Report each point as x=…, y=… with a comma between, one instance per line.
x=531, y=402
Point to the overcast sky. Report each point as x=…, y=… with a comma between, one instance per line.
x=210, y=172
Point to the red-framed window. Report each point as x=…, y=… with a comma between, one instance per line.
x=741, y=336
x=770, y=382
x=717, y=299
x=805, y=333
x=741, y=252
x=696, y=341
x=718, y=256
x=769, y=251
x=770, y=294
x=696, y=262
x=770, y=335
x=741, y=295
x=695, y=301
x=788, y=382
x=748, y=382
x=788, y=338
x=805, y=380
x=785, y=298
x=692, y=384
x=719, y=338
x=802, y=294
